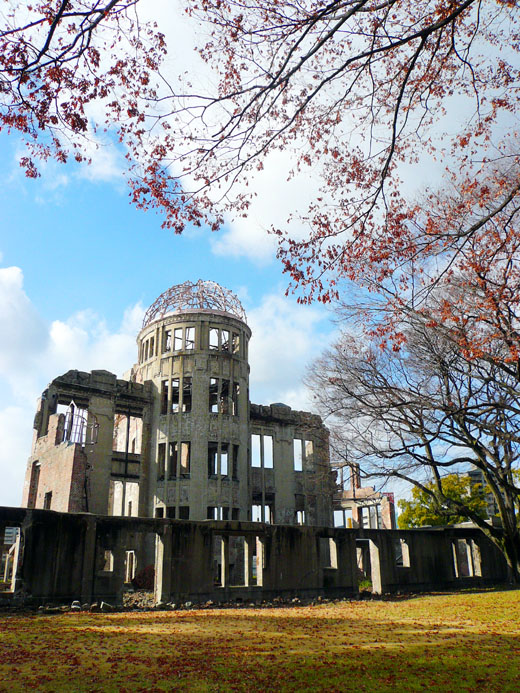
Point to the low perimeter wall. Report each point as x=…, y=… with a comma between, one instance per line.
x=68, y=556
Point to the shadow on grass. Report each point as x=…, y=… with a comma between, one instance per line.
x=366, y=646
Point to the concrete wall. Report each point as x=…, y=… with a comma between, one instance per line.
x=65, y=556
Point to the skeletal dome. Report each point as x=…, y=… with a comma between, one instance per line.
x=200, y=295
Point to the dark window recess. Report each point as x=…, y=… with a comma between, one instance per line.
x=164, y=397
x=236, y=392
x=173, y=460
x=47, y=500
x=224, y=396
x=212, y=459
x=151, y=347
x=161, y=459
x=170, y=513
x=184, y=512
x=236, y=343
x=185, y=458
x=235, y=462
x=213, y=395
x=175, y=395
x=186, y=394
x=159, y=512
x=212, y=512
x=235, y=512
x=167, y=340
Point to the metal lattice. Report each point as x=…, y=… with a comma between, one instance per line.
x=206, y=295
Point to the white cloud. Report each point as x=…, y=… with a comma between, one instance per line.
x=32, y=353
x=286, y=337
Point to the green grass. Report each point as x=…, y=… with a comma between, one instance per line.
x=456, y=642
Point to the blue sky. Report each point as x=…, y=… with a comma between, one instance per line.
x=78, y=267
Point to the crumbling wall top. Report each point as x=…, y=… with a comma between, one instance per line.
x=201, y=295
x=284, y=414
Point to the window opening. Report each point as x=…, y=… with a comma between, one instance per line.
x=130, y=565
x=161, y=458
x=236, y=343
x=224, y=397
x=300, y=517
x=268, y=452
x=185, y=458
x=159, y=512
x=47, y=500
x=146, y=350
x=213, y=338
x=173, y=460
x=164, y=397
x=108, y=561
x=235, y=513
x=212, y=459
x=339, y=518
x=298, y=459
x=255, y=451
x=175, y=395
x=177, y=339
x=236, y=392
x=170, y=512
x=184, y=512
x=152, y=344
x=167, y=340
x=224, y=457
x=224, y=337
x=213, y=395
x=190, y=338
x=235, y=462
x=186, y=394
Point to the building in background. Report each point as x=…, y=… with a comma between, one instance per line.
x=362, y=507
x=177, y=437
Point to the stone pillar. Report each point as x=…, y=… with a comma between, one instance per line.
x=225, y=561
x=249, y=550
x=89, y=561
x=163, y=565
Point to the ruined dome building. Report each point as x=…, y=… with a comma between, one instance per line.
x=171, y=471
x=177, y=437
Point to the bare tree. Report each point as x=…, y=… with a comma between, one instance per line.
x=424, y=412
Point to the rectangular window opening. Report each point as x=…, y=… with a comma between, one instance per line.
x=184, y=512
x=235, y=462
x=235, y=394
x=224, y=397
x=213, y=338
x=212, y=459
x=164, y=397
x=47, y=500
x=185, y=458
x=186, y=394
x=298, y=460
x=175, y=395
x=177, y=339
x=213, y=395
x=224, y=459
x=236, y=343
x=224, y=340
x=173, y=460
x=256, y=460
x=190, y=338
x=268, y=452
x=167, y=340
x=161, y=460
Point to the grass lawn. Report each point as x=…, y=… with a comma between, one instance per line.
x=448, y=642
